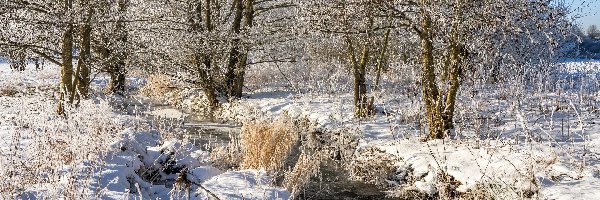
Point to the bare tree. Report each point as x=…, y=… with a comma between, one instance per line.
x=211, y=43
x=593, y=32
x=364, y=28
x=479, y=33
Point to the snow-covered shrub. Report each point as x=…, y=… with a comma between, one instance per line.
x=142, y=164
x=306, y=167
x=373, y=166
x=194, y=100
x=8, y=91
x=161, y=87
x=494, y=189
x=43, y=151
x=228, y=156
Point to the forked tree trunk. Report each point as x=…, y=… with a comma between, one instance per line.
x=204, y=62
x=201, y=60
x=238, y=82
x=430, y=88
x=362, y=107
x=439, y=104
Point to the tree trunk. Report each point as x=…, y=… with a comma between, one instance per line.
x=234, y=53
x=381, y=59
x=208, y=84
x=362, y=107
x=37, y=64
x=360, y=82
x=455, y=69
x=439, y=104
x=117, y=78
x=430, y=88
x=204, y=65
x=66, y=80
x=117, y=74
x=83, y=76
x=18, y=60
x=238, y=83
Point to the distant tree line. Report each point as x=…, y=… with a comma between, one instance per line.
x=589, y=45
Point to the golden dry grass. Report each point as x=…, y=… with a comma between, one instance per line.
x=158, y=86
x=273, y=146
x=267, y=145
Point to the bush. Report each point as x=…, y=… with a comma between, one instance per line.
x=51, y=152
x=8, y=91
x=160, y=87
x=306, y=167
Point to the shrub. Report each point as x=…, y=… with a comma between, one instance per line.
x=306, y=167
x=51, y=152
x=8, y=91
x=373, y=166
x=227, y=157
x=160, y=87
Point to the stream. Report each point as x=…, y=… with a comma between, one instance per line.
x=331, y=183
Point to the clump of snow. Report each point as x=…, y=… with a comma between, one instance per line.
x=168, y=113
x=245, y=184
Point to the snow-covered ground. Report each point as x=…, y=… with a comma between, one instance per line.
x=93, y=152
x=559, y=163
x=546, y=144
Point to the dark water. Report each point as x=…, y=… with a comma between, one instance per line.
x=204, y=133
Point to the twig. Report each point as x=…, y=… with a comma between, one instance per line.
x=203, y=188
x=284, y=76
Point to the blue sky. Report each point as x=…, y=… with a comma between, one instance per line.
x=589, y=10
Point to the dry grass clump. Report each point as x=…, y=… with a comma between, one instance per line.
x=8, y=91
x=498, y=189
x=159, y=86
x=166, y=89
x=277, y=147
x=447, y=186
x=267, y=145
